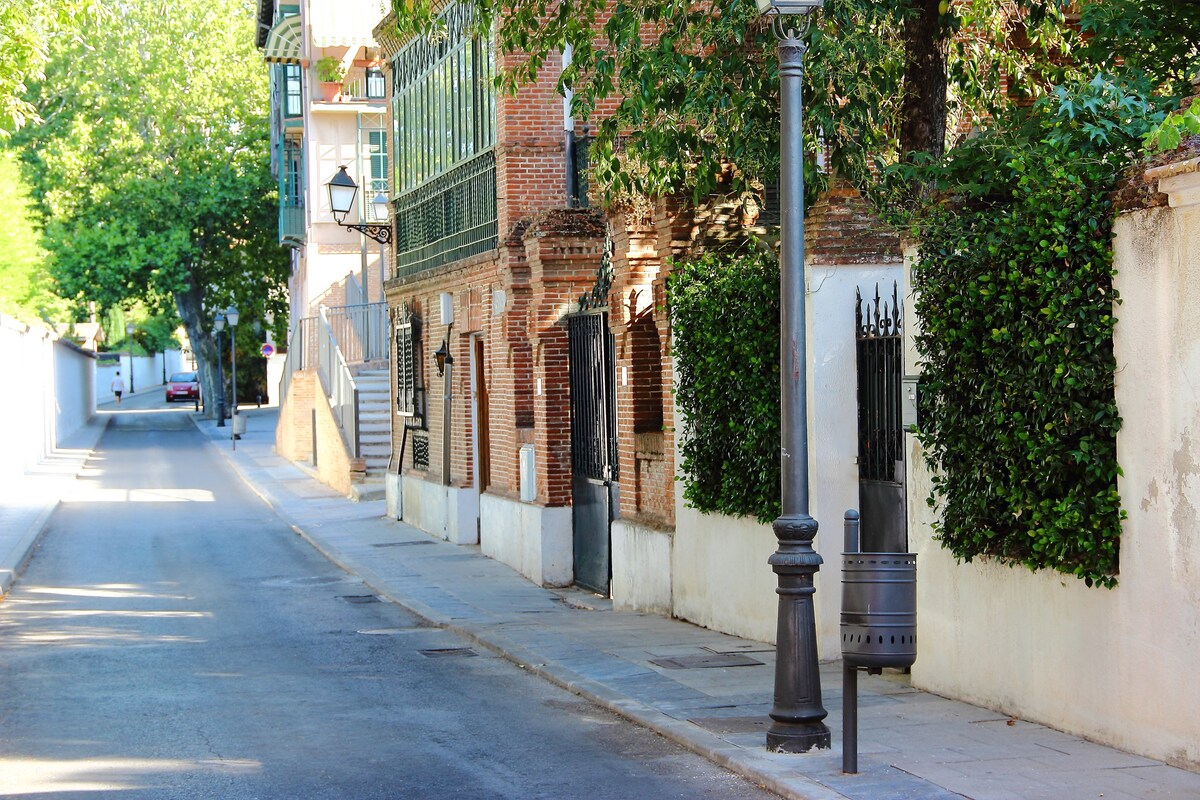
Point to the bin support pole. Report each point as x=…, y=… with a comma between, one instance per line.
x=849, y=673
x=849, y=719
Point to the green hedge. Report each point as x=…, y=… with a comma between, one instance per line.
x=725, y=320
x=1016, y=309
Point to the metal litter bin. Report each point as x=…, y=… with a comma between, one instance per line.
x=879, y=609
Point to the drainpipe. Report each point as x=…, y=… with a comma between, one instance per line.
x=569, y=136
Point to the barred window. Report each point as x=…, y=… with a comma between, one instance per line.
x=410, y=390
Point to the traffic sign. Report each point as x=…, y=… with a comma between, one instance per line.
x=268, y=349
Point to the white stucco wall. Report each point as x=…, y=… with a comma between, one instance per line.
x=833, y=421
x=534, y=540
x=48, y=396
x=720, y=576
x=74, y=390
x=641, y=568
x=1114, y=665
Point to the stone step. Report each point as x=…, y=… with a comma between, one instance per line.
x=368, y=490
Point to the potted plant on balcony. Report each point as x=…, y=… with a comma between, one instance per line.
x=330, y=73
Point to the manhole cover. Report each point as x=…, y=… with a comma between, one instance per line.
x=724, y=725
x=403, y=544
x=449, y=652
x=359, y=599
x=714, y=661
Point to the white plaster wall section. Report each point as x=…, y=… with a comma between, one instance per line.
x=75, y=402
x=393, y=495
x=833, y=419
x=424, y=505
x=641, y=566
x=1104, y=664
x=720, y=577
x=462, y=508
x=534, y=540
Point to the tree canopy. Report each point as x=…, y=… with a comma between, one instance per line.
x=27, y=30
x=151, y=166
x=695, y=86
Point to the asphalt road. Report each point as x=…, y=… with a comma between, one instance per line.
x=172, y=638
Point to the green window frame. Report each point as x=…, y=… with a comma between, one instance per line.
x=443, y=102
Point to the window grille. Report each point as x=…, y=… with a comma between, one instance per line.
x=420, y=453
x=451, y=217
x=410, y=390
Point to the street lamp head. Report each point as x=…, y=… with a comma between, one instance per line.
x=342, y=190
x=129, y=329
x=231, y=314
x=442, y=357
x=783, y=7
x=381, y=206
x=219, y=323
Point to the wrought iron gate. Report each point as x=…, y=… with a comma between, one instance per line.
x=879, y=350
x=593, y=446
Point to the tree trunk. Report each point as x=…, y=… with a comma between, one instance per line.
x=923, y=113
x=190, y=305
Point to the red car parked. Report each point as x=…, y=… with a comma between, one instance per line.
x=183, y=386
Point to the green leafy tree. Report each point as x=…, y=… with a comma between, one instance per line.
x=151, y=167
x=25, y=283
x=27, y=28
x=688, y=88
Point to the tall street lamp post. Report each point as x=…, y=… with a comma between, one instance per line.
x=231, y=314
x=129, y=338
x=797, y=714
x=218, y=326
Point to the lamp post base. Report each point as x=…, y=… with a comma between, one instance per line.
x=783, y=738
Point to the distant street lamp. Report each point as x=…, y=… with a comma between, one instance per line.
x=231, y=314
x=129, y=338
x=797, y=715
x=218, y=326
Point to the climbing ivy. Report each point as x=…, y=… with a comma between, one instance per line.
x=725, y=319
x=1016, y=307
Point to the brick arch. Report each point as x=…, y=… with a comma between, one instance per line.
x=645, y=361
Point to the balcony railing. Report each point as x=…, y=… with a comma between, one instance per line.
x=452, y=217
x=291, y=225
x=363, y=85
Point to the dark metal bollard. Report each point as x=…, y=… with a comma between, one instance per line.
x=879, y=623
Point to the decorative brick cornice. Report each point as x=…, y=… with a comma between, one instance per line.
x=1140, y=187
x=841, y=228
x=582, y=222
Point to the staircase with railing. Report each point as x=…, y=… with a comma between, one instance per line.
x=345, y=346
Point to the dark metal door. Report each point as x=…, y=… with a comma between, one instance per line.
x=593, y=446
x=880, y=358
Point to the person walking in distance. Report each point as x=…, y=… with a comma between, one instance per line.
x=118, y=387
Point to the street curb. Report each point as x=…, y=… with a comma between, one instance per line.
x=24, y=548
x=682, y=733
